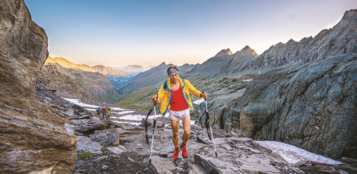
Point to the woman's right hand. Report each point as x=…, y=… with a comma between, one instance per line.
x=155, y=100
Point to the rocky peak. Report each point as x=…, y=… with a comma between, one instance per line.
x=291, y=41
x=338, y=40
x=248, y=50
x=237, y=61
x=224, y=52
x=247, y=47
x=349, y=16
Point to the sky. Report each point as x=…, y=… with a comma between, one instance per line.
x=118, y=33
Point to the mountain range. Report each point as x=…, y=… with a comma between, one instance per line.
x=116, y=77
x=295, y=86
x=341, y=39
x=134, y=69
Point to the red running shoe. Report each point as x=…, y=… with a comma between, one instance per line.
x=176, y=154
x=184, y=150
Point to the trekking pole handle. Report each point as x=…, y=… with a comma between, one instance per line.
x=157, y=97
x=205, y=101
x=203, y=92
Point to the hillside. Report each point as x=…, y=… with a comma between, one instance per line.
x=210, y=67
x=79, y=83
x=237, y=61
x=137, y=92
x=116, y=77
x=51, y=77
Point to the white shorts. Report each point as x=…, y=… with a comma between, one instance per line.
x=179, y=115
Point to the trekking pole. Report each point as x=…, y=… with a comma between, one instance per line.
x=208, y=125
x=153, y=130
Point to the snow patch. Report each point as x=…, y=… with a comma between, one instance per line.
x=294, y=154
x=127, y=122
x=69, y=128
x=135, y=117
x=116, y=109
x=247, y=80
x=197, y=102
x=77, y=102
x=124, y=112
x=90, y=109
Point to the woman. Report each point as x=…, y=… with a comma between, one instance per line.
x=108, y=114
x=174, y=95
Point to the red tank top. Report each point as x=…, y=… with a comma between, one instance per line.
x=178, y=102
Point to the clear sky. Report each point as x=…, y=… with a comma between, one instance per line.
x=149, y=32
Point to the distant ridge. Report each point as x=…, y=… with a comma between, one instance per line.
x=134, y=69
x=341, y=39
x=97, y=68
x=116, y=77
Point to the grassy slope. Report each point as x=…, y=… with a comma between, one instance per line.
x=94, y=84
x=138, y=91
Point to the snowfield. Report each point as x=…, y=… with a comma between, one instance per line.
x=77, y=102
x=294, y=154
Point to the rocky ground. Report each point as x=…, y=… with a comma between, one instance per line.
x=117, y=147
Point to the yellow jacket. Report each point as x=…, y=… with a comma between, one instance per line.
x=165, y=94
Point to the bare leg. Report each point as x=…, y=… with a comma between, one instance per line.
x=175, y=132
x=186, y=121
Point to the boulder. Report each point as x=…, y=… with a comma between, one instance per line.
x=92, y=125
x=256, y=164
x=213, y=165
x=115, y=150
x=82, y=121
x=70, y=112
x=85, y=144
x=100, y=138
x=162, y=165
x=106, y=137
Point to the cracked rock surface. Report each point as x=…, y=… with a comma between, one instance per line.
x=312, y=107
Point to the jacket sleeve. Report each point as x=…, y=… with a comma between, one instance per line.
x=161, y=94
x=193, y=90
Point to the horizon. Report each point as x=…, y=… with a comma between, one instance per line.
x=145, y=33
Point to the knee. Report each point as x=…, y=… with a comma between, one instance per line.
x=187, y=132
x=175, y=134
